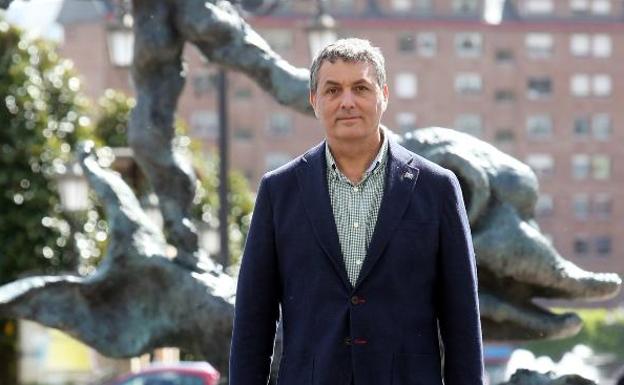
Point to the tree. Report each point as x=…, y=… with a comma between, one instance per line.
x=42, y=118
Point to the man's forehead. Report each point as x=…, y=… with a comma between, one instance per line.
x=344, y=71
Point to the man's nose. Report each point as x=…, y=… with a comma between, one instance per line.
x=347, y=101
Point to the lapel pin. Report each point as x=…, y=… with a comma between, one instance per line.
x=408, y=175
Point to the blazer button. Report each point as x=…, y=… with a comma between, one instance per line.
x=347, y=341
x=357, y=300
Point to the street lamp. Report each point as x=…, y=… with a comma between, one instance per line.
x=209, y=237
x=73, y=188
x=120, y=37
x=224, y=164
x=322, y=29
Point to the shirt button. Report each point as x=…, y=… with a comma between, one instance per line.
x=356, y=189
x=356, y=225
x=358, y=261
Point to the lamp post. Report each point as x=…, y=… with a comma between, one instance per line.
x=120, y=36
x=322, y=29
x=73, y=188
x=224, y=155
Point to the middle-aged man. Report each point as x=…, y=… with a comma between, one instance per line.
x=366, y=248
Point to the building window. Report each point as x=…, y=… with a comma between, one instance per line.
x=274, y=160
x=504, y=96
x=579, y=85
x=539, y=7
x=470, y=124
x=579, y=7
x=581, y=127
x=205, y=124
x=504, y=137
x=539, y=87
x=539, y=127
x=504, y=56
x=603, y=246
x=580, y=166
x=406, y=85
x=601, y=7
x=601, y=126
x=402, y=5
x=601, y=165
x=243, y=93
x=423, y=6
x=468, y=83
x=243, y=134
x=407, y=43
x=466, y=7
x=545, y=206
x=280, y=125
x=579, y=44
x=281, y=40
x=581, y=206
x=601, y=85
x=468, y=44
x=203, y=82
x=343, y=5
x=405, y=121
x=603, y=206
x=542, y=164
x=581, y=245
x=601, y=46
x=539, y=45
x=427, y=44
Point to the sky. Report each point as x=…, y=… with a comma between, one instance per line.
x=37, y=17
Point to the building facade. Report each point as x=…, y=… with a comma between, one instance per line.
x=539, y=79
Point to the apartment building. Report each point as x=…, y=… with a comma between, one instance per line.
x=539, y=79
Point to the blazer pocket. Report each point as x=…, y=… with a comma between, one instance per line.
x=416, y=369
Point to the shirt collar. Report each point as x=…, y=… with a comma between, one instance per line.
x=379, y=159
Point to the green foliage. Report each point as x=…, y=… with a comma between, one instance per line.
x=114, y=111
x=42, y=117
x=207, y=202
x=603, y=331
x=110, y=130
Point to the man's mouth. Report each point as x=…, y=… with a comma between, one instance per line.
x=348, y=118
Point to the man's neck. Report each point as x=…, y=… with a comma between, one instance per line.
x=354, y=158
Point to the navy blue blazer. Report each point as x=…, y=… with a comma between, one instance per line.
x=418, y=282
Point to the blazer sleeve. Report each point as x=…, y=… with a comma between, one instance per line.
x=458, y=303
x=257, y=299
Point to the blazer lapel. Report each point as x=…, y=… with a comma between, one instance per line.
x=400, y=180
x=312, y=179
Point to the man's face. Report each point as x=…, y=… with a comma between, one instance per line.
x=348, y=101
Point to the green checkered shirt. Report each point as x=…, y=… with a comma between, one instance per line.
x=356, y=207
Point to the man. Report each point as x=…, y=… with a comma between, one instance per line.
x=364, y=246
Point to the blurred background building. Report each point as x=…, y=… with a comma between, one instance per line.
x=539, y=79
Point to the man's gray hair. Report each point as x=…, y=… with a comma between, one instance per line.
x=351, y=50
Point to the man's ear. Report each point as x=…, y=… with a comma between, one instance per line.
x=312, y=99
x=386, y=95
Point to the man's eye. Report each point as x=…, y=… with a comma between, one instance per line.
x=331, y=91
x=361, y=88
